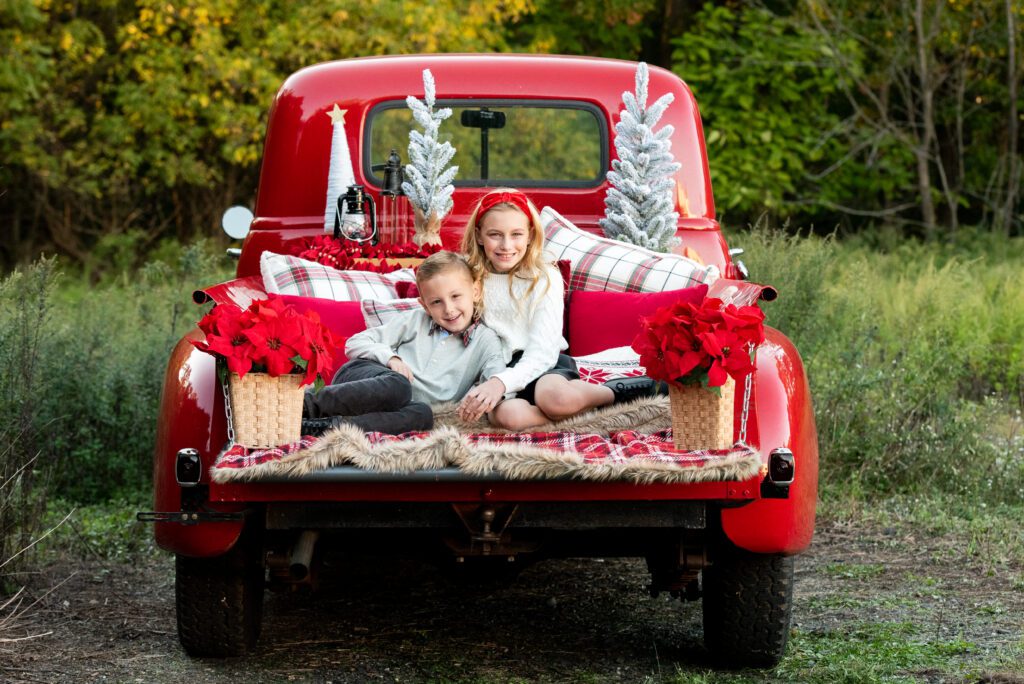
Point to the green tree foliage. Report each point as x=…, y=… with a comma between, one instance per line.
x=150, y=114
x=767, y=97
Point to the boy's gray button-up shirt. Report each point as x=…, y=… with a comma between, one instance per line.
x=444, y=366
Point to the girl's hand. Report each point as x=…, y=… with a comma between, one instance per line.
x=481, y=399
x=399, y=366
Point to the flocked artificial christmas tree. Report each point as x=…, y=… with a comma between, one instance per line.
x=428, y=184
x=640, y=204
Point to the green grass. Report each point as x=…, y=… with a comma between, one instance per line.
x=915, y=358
x=854, y=571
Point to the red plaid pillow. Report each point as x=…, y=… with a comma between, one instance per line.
x=602, y=264
x=290, y=275
x=378, y=313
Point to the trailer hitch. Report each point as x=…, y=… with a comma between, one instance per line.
x=190, y=517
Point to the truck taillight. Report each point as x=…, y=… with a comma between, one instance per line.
x=781, y=466
x=188, y=468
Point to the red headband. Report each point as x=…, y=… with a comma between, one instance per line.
x=493, y=199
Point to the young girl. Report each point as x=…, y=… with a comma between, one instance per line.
x=504, y=243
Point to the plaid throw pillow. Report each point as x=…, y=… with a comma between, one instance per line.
x=290, y=275
x=378, y=313
x=602, y=264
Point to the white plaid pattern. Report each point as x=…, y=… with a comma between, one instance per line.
x=378, y=313
x=285, y=274
x=602, y=264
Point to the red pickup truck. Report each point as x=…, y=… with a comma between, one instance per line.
x=730, y=543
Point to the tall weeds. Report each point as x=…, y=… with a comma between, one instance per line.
x=25, y=325
x=915, y=359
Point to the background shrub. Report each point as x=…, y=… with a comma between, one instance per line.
x=103, y=362
x=914, y=359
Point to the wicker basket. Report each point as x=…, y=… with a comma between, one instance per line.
x=266, y=411
x=701, y=419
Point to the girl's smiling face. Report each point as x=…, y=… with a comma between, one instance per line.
x=504, y=234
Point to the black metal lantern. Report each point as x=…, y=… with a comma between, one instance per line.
x=352, y=221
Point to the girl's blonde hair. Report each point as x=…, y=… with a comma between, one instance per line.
x=530, y=267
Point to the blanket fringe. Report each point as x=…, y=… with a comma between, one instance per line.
x=446, y=446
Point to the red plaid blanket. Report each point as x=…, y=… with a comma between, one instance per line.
x=619, y=447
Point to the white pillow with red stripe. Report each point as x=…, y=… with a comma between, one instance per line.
x=599, y=263
x=290, y=275
x=610, y=364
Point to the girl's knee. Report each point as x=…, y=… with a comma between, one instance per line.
x=560, y=402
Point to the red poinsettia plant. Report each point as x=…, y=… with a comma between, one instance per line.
x=347, y=255
x=269, y=336
x=701, y=345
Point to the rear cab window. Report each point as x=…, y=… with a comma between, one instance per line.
x=521, y=143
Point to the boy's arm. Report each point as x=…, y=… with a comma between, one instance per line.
x=380, y=343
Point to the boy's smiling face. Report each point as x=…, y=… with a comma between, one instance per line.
x=448, y=297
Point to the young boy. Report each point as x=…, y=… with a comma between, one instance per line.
x=417, y=358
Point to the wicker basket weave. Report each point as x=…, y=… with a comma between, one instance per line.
x=700, y=419
x=266, y=411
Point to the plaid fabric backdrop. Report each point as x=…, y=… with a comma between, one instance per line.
x=619, y=447
x=602, y=264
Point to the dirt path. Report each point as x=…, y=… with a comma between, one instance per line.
x=869, y=601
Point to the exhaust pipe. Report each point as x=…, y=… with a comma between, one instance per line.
x=302, y=555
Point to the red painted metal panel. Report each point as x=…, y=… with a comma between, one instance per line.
x=191, y=415
x=785, y=418
x=484, y=491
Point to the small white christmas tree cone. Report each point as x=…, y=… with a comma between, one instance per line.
x=428, y=228
x=340, y=174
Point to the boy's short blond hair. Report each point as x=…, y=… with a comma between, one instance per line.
x=442, y=261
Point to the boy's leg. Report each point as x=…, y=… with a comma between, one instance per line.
x=413, y=417
x=360, y=386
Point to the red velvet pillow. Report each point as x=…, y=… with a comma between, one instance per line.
x=343, y=318
x=600, y=320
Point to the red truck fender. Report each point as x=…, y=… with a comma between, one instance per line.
x=191, y=416
x=784, y=417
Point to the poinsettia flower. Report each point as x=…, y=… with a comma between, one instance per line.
x=320, y=346
x=276, y=340
x=717, y=374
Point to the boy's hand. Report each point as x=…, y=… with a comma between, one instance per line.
x=481, y=399
x=399, y=366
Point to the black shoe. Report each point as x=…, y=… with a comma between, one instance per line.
x=318, y=426
x=628, y=389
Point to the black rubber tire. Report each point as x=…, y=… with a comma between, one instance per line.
x=220, y=602
x=748, y=606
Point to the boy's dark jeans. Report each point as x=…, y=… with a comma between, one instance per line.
x=372, y=397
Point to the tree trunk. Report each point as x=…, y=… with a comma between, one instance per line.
x=1013, y=175
x=924, y=149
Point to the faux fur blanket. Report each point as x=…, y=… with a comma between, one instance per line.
x=621, y=442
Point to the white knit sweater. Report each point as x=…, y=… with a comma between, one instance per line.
x=532, y=325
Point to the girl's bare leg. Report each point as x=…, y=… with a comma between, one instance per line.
x=517, y=414
x=560, y=398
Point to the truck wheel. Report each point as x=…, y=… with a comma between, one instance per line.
x=748, y=604
x=220, y=601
